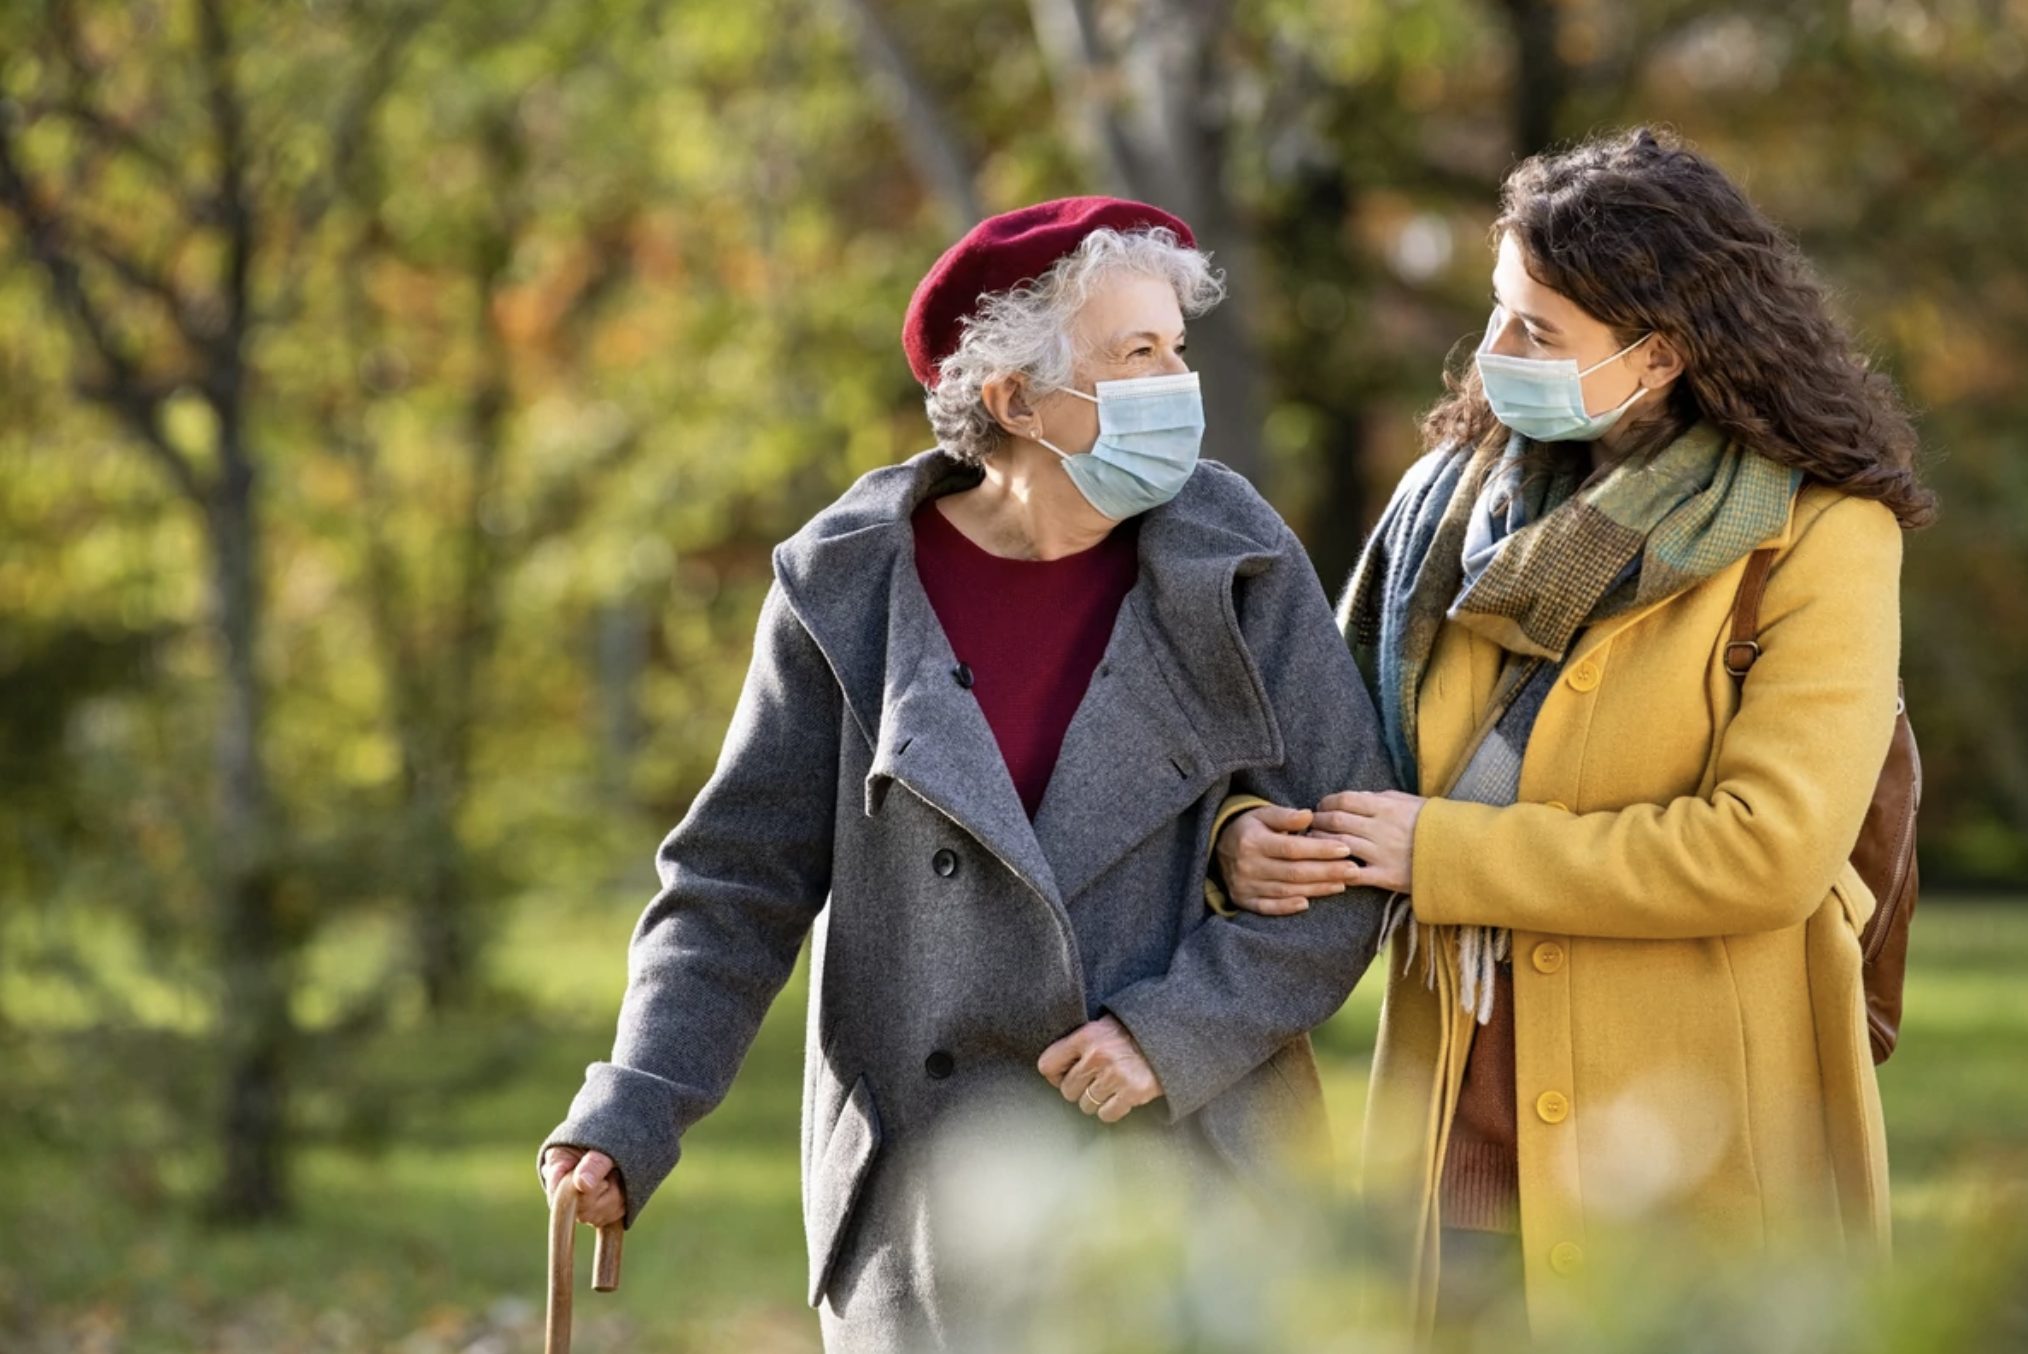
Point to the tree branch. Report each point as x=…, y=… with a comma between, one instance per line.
x=124, y=391
x=1173, y=105
x=141, y=278
x=1081, y=69
x=228, y=348
x=106, y=131
x=349, y=141
x=946, y=165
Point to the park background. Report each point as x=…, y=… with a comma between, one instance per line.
x=399, y=400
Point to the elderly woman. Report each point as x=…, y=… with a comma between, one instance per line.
x=998, y=693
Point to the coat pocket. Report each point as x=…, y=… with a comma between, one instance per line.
x=836, y=1181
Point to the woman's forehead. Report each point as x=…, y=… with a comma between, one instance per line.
x=1526, y=294
x=1128, y=306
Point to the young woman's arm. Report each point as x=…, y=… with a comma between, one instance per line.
x=1794, y=777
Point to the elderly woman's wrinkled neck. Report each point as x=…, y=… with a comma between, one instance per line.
x=1026, y=507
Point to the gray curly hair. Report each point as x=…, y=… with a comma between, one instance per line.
x=1026, y=330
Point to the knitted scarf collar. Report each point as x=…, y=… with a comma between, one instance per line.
x=1528, y=556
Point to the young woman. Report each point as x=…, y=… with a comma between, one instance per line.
x=1624, y=996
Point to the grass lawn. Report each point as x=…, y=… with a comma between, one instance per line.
x=428, y=1234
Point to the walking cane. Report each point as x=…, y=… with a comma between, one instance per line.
x=563, y=1262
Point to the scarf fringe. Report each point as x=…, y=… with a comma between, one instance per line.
x=1481, y=951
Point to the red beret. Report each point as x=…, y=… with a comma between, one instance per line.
x=1001, y=253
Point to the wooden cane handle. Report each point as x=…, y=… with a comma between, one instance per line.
x=563, y=1201
x=606, y=1258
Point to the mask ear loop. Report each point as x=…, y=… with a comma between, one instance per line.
x=1043, y=441
x=1639, y=388
x=1618, y=355
x=1626, y=403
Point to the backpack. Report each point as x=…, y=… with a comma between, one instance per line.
x=1884, y=855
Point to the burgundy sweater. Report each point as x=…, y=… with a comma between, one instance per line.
x=1028, y=634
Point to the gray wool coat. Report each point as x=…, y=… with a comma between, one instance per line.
x=860, y=791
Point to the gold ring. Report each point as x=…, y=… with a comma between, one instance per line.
x=1096, y=1103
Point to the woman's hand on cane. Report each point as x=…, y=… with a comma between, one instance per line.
x=603, y=1200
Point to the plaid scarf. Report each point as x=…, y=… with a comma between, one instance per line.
x=1529, y=557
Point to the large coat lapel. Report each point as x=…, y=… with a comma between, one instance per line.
x=850, y=577
x=934, y=739
x=1175, y=705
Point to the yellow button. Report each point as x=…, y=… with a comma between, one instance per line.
x=1558, y=805
x=1553, y=1106
x=1584, y=676
x=1566, y=1257
x=1548, y=957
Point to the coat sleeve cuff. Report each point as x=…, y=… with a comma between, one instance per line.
x=1215, y=896
x=1187, y=1084
x=629, y=1115
x=1436, y=867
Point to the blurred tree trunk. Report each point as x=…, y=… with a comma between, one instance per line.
x=253, y=941
x=1149, y=103
x=1324, y=195
x=942, y=160
x=1542, y=78
x=256, y=943
x=1308, y=215
x=162, y=303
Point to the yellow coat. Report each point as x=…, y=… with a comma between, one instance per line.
x=1691, y=1053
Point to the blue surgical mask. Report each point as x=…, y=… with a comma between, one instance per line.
x=1149, y=433
x=1544, y=399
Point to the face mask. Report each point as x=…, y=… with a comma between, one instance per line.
x=1544, y=398
x=1149, y=432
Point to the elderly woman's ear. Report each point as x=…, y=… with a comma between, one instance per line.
x=1008, y=400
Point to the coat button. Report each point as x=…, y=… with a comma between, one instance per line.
x=1566, y=1257
x=939, y=1065
x=962, y=673
x=1548, y=957
x=1584, y=676
x=945, y=862
x=1553, y=1106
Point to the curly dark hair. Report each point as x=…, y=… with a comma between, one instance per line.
x=1647, y=235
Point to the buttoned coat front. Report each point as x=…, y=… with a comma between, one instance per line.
x=860, y=790
x=1690, y=1043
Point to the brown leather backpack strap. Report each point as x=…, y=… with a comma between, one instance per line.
x=1742, y=648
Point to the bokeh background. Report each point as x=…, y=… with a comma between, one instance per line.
x=399, y=400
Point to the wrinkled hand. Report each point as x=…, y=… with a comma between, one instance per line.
x=603, y=1201
x=1379, y=829
x=1272, y=870
x=1101, y=1068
